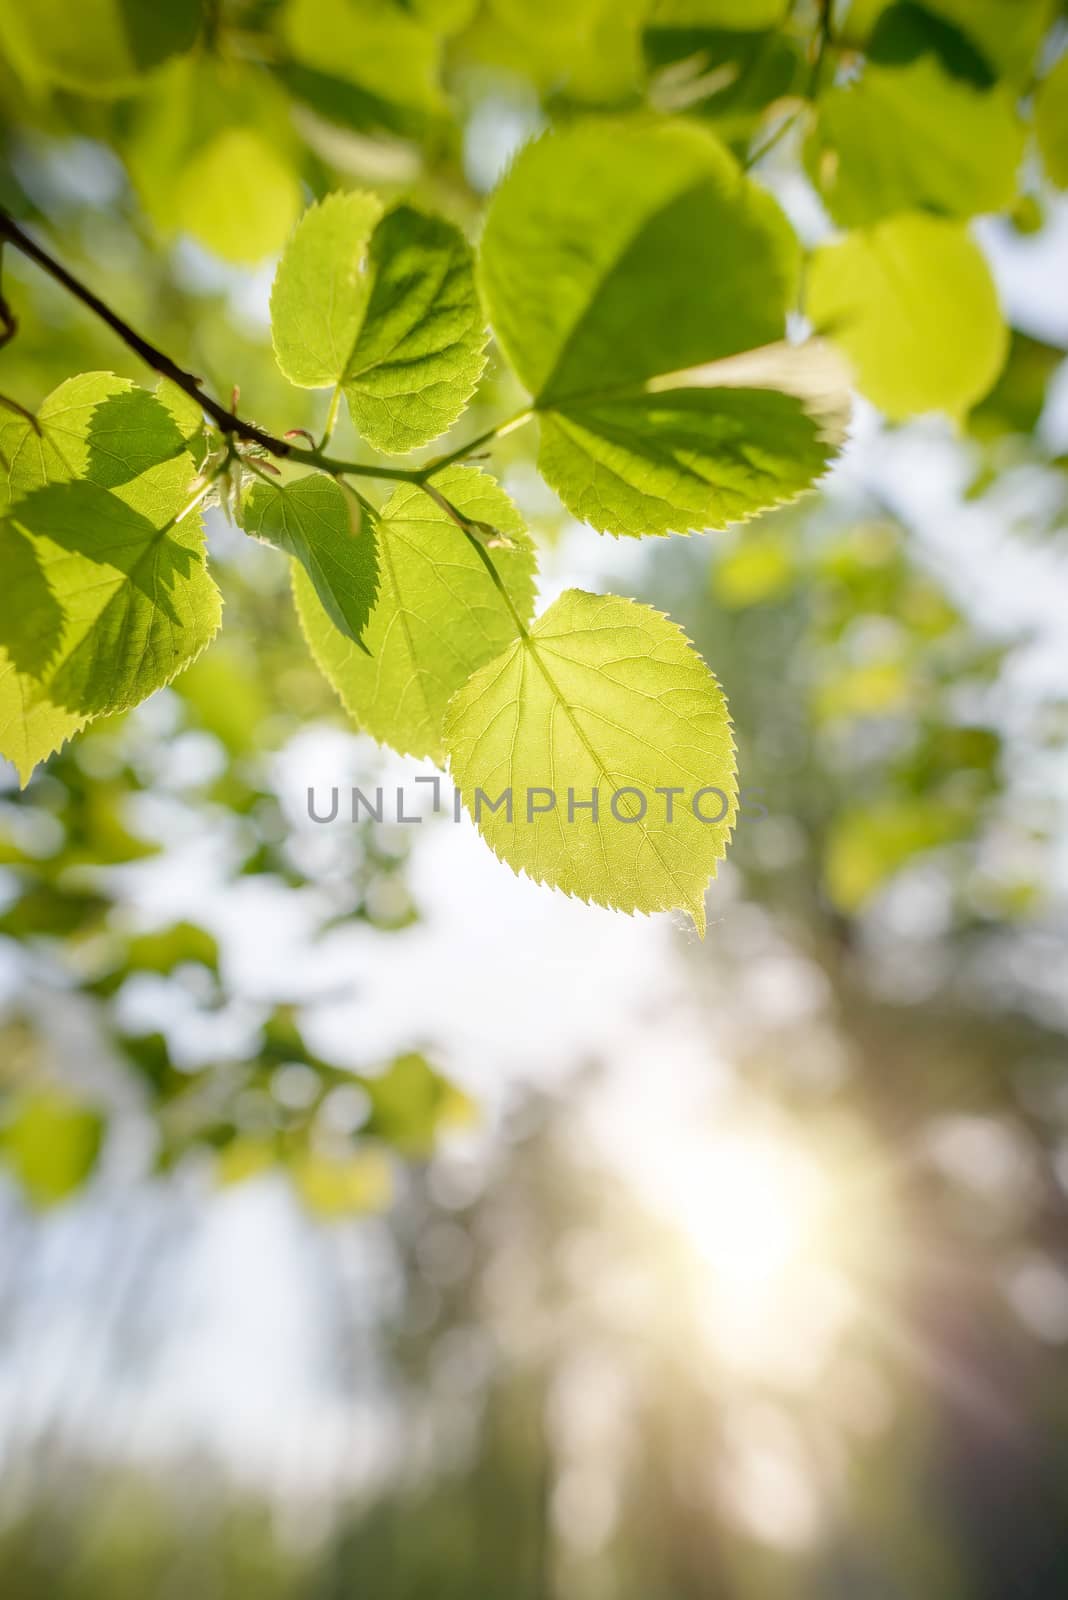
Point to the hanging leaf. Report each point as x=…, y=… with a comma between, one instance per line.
x=604, y=697
x=614, y=257
x=386, y=308
x=316, y=522
x=438, y=615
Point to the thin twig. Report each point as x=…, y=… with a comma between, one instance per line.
x=228, y=421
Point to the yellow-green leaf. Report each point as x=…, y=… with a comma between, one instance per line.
x=913, y=304
x=438, y=615
x=606, y=698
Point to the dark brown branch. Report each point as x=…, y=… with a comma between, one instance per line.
x=227, y=421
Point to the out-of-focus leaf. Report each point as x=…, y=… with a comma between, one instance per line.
x=50, y=1142
x=905, y=31
x=912, y=303
x=239, y=196
x=866, y=847
x=914, y=138
x=166, y=948
x=759, y=568
x=411, y=1104
x=98, y=47
x=1016, y=402
x=337, y=1186
x=724, y=75
x=382, y=46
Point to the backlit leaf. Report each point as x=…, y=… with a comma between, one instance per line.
x=382, y=46
x=314, y=520
x=609, y=696
x=95, y=540
x=387, y=308
x=615, y=258
x=438, y=615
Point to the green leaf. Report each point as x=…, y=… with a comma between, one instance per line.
x=98, y=47
x=913, y=304
x=239, y=196
x=617, y=258
x=421, y=349
x=867, y=846
x=314, y=520
x=51, y=1143
x=98, y=548
x=387, y=308
x=905, y=31
x=603, y=695
x=438, y=614
x=1051, y=123
x=914, y=138
x=707, y=446
x=352, y=1184
x=322, y=287
x=188, y=417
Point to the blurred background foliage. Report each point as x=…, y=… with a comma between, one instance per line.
x=757, y=1287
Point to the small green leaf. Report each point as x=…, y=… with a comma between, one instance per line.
x=914, y=138
x=314, y=520
x=620, y=261
x=421, y=349
x=322, y=287
x=438, y=615
x=607, y=696
x=913, y=304
x=387, y=308
x=1051, y=122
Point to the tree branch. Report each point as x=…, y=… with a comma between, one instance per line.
x=228, y=422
